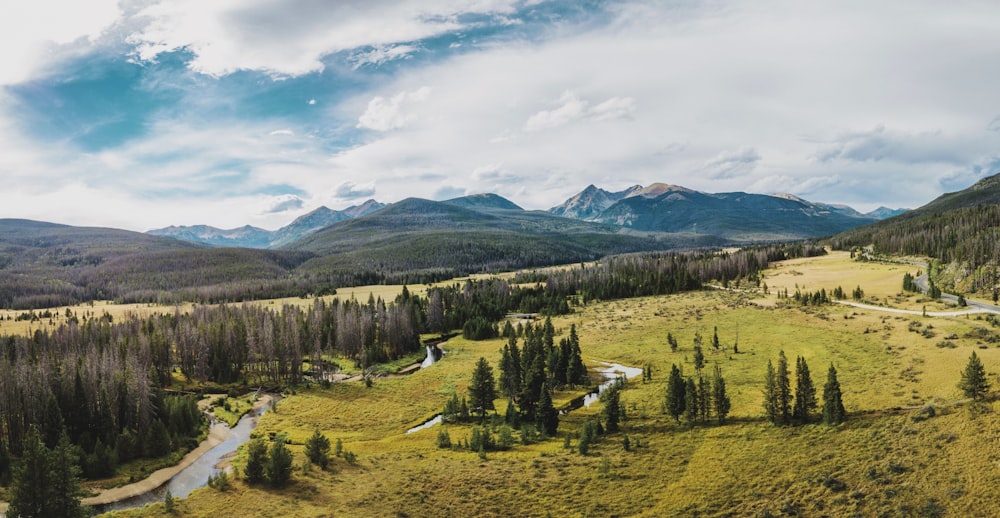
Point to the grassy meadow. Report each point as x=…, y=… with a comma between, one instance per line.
x=911, y=447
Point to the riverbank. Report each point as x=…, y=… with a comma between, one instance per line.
x=216, y=435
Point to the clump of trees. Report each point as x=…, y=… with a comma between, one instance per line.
x=47, y=479
x=271, y=465
x=637, y=275
x=781, y=407
x=697, y=399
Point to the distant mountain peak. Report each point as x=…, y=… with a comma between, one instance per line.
x=664, y=207
x=484, y=201
x=252, y=237
x=657, y=189
x=885, y=213
x=789, y=196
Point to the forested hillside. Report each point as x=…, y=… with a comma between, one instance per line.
x=960, y=228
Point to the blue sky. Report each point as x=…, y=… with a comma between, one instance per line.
x=140, y=114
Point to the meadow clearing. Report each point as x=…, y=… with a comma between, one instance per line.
x=911, y=447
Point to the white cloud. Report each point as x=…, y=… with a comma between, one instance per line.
x=291, y=37
x=772, y=83
x=570, y=108
x=387, y=114
x=284, y=203
x=381, y=55
x=613, y=109
x=34, y=35
x=732, y=164
x=351, y=190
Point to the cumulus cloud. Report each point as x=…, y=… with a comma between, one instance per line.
x=732, y=164
x=384, y=114
x=569, y=108
x=33, y=38
x=284, y=204
x=351, y=190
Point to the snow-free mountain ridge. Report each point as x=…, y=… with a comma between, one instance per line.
x=253, y=237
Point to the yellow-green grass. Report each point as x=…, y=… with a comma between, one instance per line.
x=882, y=283
x=237, y=408
x=884, y=461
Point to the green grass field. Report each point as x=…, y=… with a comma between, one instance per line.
x=889, y=459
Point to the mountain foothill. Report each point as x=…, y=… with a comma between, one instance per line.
x=409, y=241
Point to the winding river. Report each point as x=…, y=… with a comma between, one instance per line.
x=196, y=475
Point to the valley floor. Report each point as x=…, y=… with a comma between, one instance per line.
x=912, y=445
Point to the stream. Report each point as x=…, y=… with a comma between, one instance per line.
x=196, y=475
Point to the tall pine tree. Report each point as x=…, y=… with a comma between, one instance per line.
x=482, y=388
x=720, y=399
x=805, y=392
x=784, y=390
x=833, y=406
x=676, y=387
x=30, y=494
x=974, y=383
x=547, y=418
x=771, y=395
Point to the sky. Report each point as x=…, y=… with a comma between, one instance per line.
x=140, y=114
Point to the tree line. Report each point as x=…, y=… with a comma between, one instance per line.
x=638, y=275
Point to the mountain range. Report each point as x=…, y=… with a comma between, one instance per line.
x=663, y=208
x=253, y=237
x=736, y=216
x=418, y=241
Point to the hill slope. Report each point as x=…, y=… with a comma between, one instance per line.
x=960, y=227
x=426, y=236
x=735, y=216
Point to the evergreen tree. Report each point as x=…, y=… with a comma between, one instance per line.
x=805, y=391
x=676, y=399
x=64, y=480
x=53, y=426
x=833, y=406
x=699, y=358
x=704, y=399
x=279, y=463
x=254, y=471
x=5, y=464
x=548, y=335
x=784, y=390
x=512, y=417
x=562, y=367
x=611, y=397
x=531, y=388
x=771, y=395
x=715, y=338
x=482, y=388
x=510, y=376
x=30, y=493
x=720, y=399
x=672, y=342
x=576, y=371
x=974, y=383
x=691, y=402
x=547, y=417
x=158, y=442
x=318, y=449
